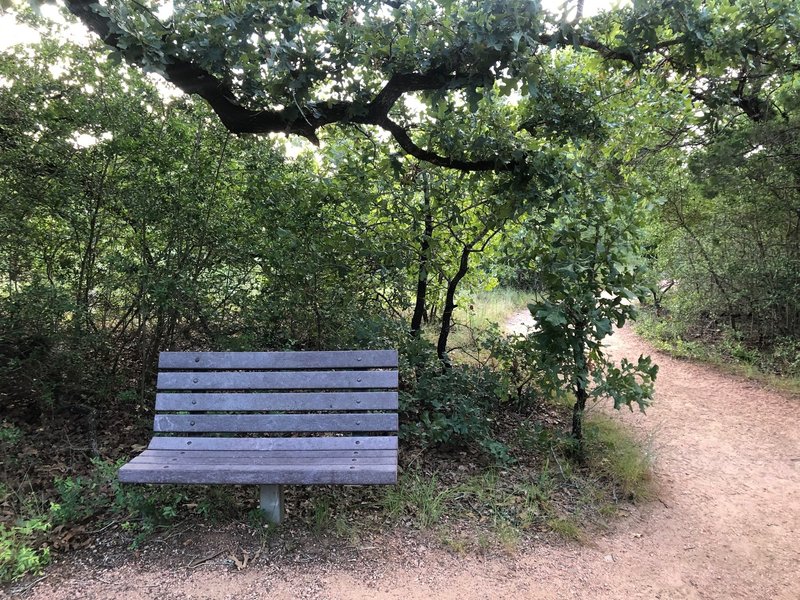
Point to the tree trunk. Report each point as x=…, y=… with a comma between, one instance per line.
x=581, y=395
x=450, y=305
x=577, y=419
x=423, y=263
x=452, y=286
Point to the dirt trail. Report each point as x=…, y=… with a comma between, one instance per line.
x=726, y=525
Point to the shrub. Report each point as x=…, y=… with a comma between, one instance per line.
x=452, y=407
x=21, y=548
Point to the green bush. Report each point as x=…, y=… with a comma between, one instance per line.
x=785, y=357
x=519, y=368
x=21, y=548
x=449, y=407
x=722, y=346
x=10, y=434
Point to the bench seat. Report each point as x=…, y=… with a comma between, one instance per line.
x=351, y=467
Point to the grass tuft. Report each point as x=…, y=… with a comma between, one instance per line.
x=612, y=453
x=567, y=528
x=418, y=497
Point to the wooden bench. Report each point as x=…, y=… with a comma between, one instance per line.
x=272, y=418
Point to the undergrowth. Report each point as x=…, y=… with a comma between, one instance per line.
x=545, y=490
x=465, y=504
x=493, y=307
x=25, y=543
x=474, y=316
x=623, y=463
x=489, y=464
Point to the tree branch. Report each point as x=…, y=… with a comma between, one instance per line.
x=607, y=52
x=306, y=119
x=406, y=143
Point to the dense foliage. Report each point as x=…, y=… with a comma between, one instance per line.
x=135, y=222
x=729, y=238
x=157, y=233
x=725, y=238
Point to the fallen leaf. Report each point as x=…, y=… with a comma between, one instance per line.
x=239, y=564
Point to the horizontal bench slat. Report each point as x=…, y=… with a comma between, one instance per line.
x=275, y=453
x=202, y=401
x=333, y=422
x=260, y=475
x=382, y=442
x=279, y=360
x=279, y=380
x=265, y=458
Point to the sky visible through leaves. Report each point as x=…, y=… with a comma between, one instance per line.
x=14, y=33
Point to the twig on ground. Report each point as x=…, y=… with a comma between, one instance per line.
x=102, y=529
x=176, y=531
x=553, y=452
x=194, y=563
x=25, y=588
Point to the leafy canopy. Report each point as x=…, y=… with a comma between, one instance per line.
x=413, y=67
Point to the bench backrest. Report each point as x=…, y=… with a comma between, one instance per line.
x=219, y=400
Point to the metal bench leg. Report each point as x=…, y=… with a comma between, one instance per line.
x=272, y=502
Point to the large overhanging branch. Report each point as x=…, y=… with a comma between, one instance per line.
x=193, y=79
x=406, y=143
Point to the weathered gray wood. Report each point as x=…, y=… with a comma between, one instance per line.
x=265, y=458
x=252, y=401
x=382, y=442
x=275, y=453
x=279, y=360
x=278, y=380
x=260, y=475
x=287, y=381
x=271, y=497
x=307, y=423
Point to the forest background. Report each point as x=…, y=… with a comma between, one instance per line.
x=585, y=167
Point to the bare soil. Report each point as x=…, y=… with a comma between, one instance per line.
x=726, y=525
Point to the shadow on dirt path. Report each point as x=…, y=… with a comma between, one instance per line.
x=725, y=526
